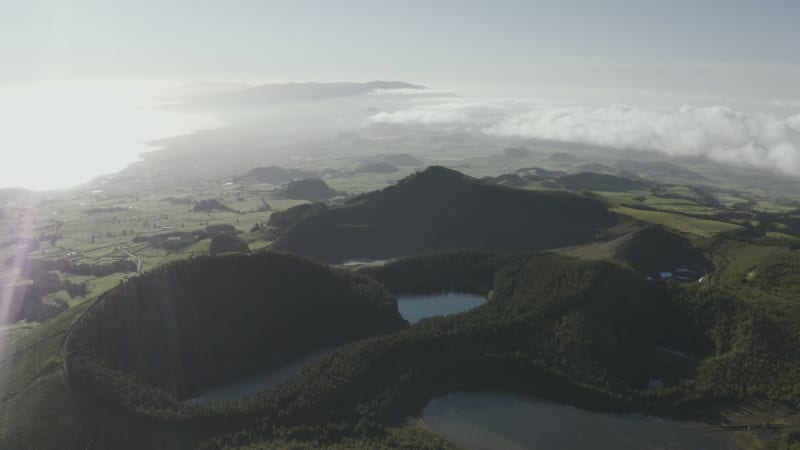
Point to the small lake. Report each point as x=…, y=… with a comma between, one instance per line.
x=498, y=420
x=261, y=381
x=414, y=308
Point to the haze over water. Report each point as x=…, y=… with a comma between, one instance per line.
x=58, y=134
x=713, y=80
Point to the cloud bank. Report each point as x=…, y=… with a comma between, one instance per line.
x=756, y=139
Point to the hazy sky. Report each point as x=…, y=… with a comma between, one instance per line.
x=718, y=78
x=747, y=47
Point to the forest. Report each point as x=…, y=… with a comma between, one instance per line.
x=555, y=326
x=189, y=324
x=441, y=209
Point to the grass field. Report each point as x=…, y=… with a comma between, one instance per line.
x=603, y=251
x=747, y=266
x=33, y=385
x=685, y=224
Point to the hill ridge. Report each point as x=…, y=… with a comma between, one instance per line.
x=438, y=209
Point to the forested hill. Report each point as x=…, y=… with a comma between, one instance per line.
x=589, y=333
x=656, y=249
x=438, y=209
x=190, y=324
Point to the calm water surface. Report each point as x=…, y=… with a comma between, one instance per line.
x=417, y=307
x=498, y=420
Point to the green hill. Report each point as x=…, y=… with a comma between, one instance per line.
x=378, y=167
x=539, y=173
x=275, y=175
x=440, y=209
x=227, y=243
x=553, y=324
x=657, y=169
x=271, y=175
x=592, y=181
x=191, y=324
x=655, y=249
x=582, y=332
x=771, y=271
x=312, y=189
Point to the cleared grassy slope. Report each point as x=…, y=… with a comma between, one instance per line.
x=37, y=408
x=686, y=224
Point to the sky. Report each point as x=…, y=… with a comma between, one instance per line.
x=649, y=44
x=115, y=54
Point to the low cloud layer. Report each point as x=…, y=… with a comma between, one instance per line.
x=453, y=112
x=757, y=139
x=718, y=133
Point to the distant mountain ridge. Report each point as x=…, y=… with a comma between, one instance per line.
x=267, y=94
x=275, y=175
x=601, y=182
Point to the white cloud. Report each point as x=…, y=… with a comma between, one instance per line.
x=759, y=139
x=719, y=133
x=453, y=112
x=420, y=116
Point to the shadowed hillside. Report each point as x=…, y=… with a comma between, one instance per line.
x=275, y=175
x=600, y=182
x=190, y=324
x=438, y=209
x=312, y=189
x=654, y=249
x=586, y=333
